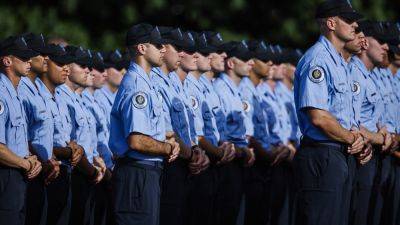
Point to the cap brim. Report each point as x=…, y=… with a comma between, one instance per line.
x=43, y=50
x=25, y=54
x=61, y=60
x=351, y=16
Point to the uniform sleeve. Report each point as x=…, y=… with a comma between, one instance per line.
x=3, y=121
x=313, y=88
x=136, y=113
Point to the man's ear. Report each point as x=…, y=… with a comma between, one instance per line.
x=230, y=63
x=331, y=23
x=141, y=49
x=6, y=61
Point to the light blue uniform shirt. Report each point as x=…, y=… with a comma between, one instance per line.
x=80, y=132
x=178, y=85
x=287, y=98
x=101, y=134
x=39, y=119
x=255, y=121
x=176, y=116
x=63, y=131
x=234, y=111
x=278, y=124
x=204, y=118
x=366, y=100
x=59, y=113
x=215, y=103
x=137, y=108
x=389, y=117
x=13, y=126
x=322, y=82
x=105, y=97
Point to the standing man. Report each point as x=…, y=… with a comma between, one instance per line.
x=113, y=63
x=16, y=162
x=64, y=149
x=40, y=130
x=323, y=104
x=137, y=134
x=238, y=63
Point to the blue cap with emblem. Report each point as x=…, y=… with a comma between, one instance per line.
x=16, y=46
x=143, y=33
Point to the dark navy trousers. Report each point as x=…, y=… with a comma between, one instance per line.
x=321, y=174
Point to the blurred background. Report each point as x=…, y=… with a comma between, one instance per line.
x=101, y=24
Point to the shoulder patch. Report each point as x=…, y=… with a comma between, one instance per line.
x=316, y=74
x=140, y=100
x=246, y=106
x=356, y=88
x=1, y=108
x=195, y=103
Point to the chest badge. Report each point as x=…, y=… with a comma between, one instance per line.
x=195, y=103
x=356, y=88
x=246, y=106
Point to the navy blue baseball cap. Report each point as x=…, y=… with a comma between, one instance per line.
x=214, y=39
x=97, y=61
x=16, y=46
x=37, y=43
x=202, y=45
x=59, y=55
x=237, y=49
x=259, y=50
x=79, y=55
x=114, y=59
x=171, y=35
x=143, y=33
x=340, y=8
x=188, y=43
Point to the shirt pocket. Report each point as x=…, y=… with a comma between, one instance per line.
x=17, y=132
x=339, y=103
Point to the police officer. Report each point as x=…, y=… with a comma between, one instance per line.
x=369, y=109
x=383, y=179
x=174, y=189
x=258, y=179
x=40, y=130
x=226, y=85
x=103, y=190
x=58, y=191
x=323, y=103
x=137, y=133
x=16, y=162
x=282, y=137
x=86, y=172
x=203, y=186
x=188, y=62
x=113, y=63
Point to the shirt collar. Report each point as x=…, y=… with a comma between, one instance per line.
x=230, y=83
x=135, y=68
x=247, y=83
x=64, y=88
x=158, y=72
x=360, y=65
x=337, y=58
x=195, y=81
x=89, y=96
x=43, y=90
x=9, y=86
x=31, y=86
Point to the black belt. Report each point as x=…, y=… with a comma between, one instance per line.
x=307, y=141
x=141, y=163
